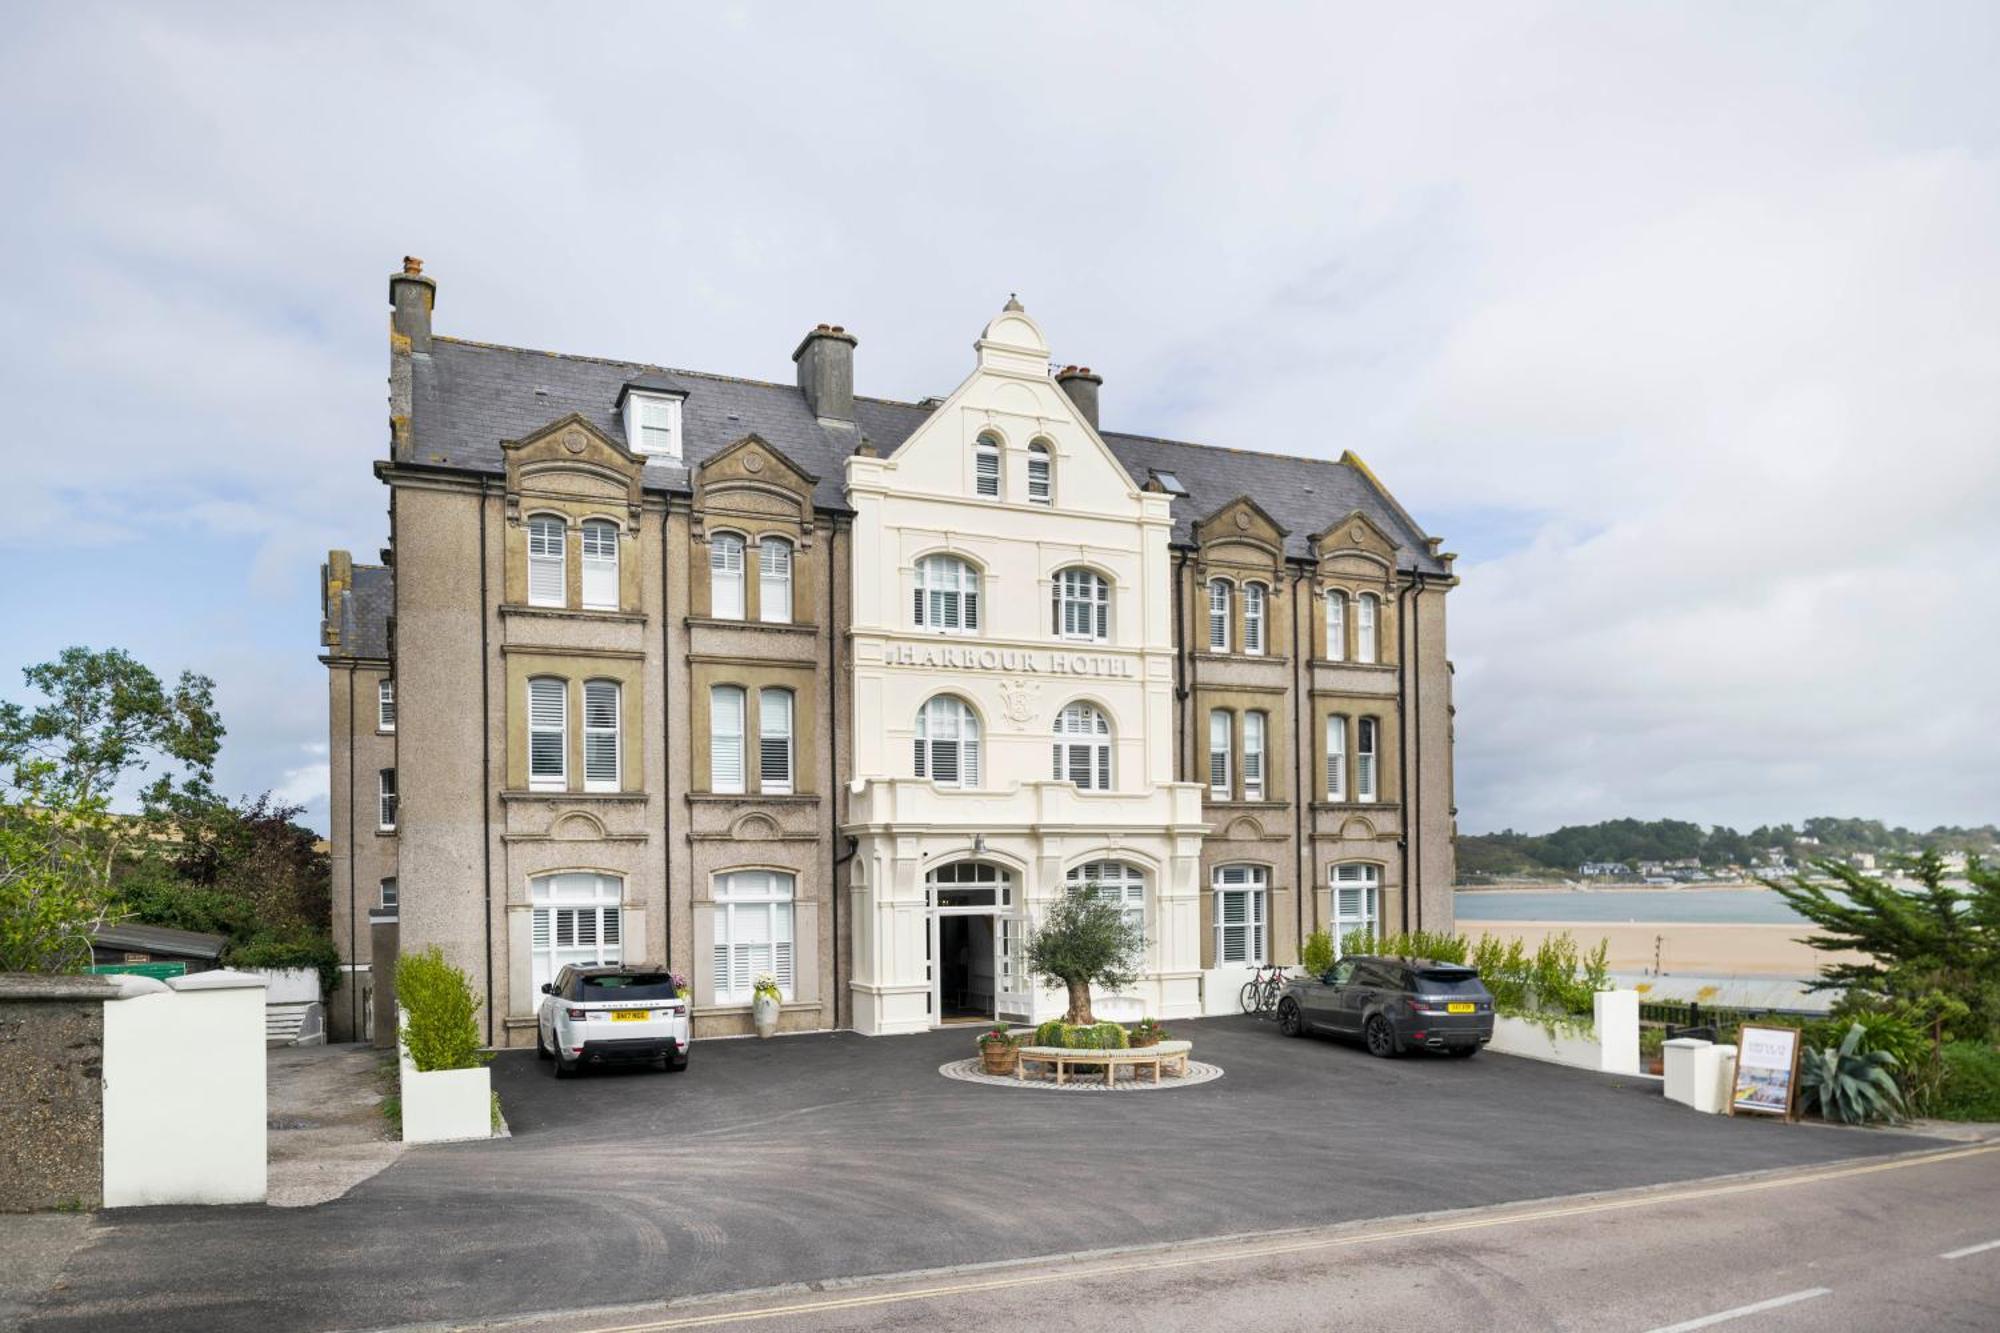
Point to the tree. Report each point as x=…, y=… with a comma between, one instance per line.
x=1085, y=939
x=1936, y=950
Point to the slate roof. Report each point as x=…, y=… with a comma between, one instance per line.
x=470, y=396
x=365, y=610
x=159, y=939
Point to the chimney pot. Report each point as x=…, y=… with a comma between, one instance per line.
x=825, y=360
x=411, y=298
x=412, y=265
x=1080, y=384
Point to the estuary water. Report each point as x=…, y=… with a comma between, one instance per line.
x=1741, y=907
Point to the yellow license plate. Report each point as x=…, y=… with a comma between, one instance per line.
x=630, y=1015
x=1461, y=1008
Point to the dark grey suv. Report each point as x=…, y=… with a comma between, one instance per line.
x=1392, y=1004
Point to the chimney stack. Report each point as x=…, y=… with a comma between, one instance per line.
x=825, y=359
x=1081, y=384
x=411, y=296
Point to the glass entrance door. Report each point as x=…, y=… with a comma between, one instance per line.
x=974, y=943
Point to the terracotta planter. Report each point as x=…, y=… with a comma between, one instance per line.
x=995, y=1058
x=1141, y=1041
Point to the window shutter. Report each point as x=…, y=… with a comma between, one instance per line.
x=774, y=589
x=969, y=759
x=971, y=607
x=1103, y=612
x=600, y=735
x=548, y=758
x=1253, y=756
x=922, y=746
x=1365, y=647
x=725, y=576
x=917, y=615
x=774, y=752
x=600, y=565
x=986, y=468
x=725, y=726
x=944, y=762
x=1336, y=757
x=1038, y=475
x=546, y=541
x=541, y=928
x=1336, y=626
x=1218, y=616
x=1253, y=619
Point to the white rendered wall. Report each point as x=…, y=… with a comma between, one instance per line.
x=184, y=1101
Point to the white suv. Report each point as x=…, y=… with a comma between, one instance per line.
x=612, y=1014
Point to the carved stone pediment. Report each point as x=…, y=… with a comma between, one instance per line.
x=571, y=459
x=1356, y=538
x=753, y=480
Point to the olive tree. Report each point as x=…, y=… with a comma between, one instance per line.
x=1085, y=940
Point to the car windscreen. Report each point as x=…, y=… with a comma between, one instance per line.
x=1450, y=983
x=628, y=986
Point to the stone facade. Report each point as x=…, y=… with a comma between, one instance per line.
x=664, y=649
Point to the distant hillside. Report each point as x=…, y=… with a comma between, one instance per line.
x=1633, y=840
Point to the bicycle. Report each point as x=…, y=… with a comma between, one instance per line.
x=1260, y=994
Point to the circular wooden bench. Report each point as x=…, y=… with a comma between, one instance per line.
x=1170, y=1056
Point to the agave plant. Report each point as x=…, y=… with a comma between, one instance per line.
x=1849, y=1085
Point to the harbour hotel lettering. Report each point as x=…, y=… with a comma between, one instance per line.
x=1025, y=661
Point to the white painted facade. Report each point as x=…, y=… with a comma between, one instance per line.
x=1011, y=663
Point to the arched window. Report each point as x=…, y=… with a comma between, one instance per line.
x=753, y=933
x=600, y=735
x=548, y=734
x=1357, y=901
x=1218, y=616
x=1253, y=756
x=576, y=923
x=947, y=595
x=1218, y=754
x=1082, y=605
x=1364, y=759
x=1336, y=757
x=1365, y=607
x=600, y=565
x=725, y=738
x=1041, y=489
x=774, y=741
x=1336, y=625
x=1083, y=748
x=948, y=742
x=1116, y=882
x=548, y=537
x=725, y=576
x=1240, y=914
x=986, y=467
x=774, y=580
x=1253, y=619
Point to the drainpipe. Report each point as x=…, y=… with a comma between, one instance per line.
x=1417, y=713
x=1301, y=746
x=1180, y=672
x=833, y=766
x=353, y=922
x=1403, y=748
x=485, y=761
x=667, y=744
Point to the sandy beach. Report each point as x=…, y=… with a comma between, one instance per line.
x=1699, y=948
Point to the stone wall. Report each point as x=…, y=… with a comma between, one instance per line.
x=51, y=1097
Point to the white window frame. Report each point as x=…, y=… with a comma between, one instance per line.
x=1041, y=473
x=599, y=546
x=653, y=424
x=548, y=560
x=600, y=739
x=1221, y=756
x=947, y=595
x=385, y=800
x=747, y=902
x=1080, y=605
x=1253, y=619
x=725, y=576
x=576, y=919
x=1336, y=757
x=727, y=705
x=1367, y=644
x=987, y=478
x=1367, y=758
x=946, y=719
x=1357, y=899
x=1082, y=747
x=1251, y=886
x=775, y=710
x=385, y=705
x=1336, y=625
x=774, y=580
x=541, y=723
x=1120, y=882
x=1218, y=615
x=1255, y=728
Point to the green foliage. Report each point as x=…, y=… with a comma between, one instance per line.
x=52, y=896
x=1553, y=981
x=1085, y=940
x=1969, y=1088
x=1507, y=852
x=998, y=1035
x=1434, y=945
x=285, y=951
x=1150, y=1029
x=498, y=1123
x=1316, y=955
x=1937, y=948
x=439, y=1030
x=1848, y=1084
x=1050, y=1033
x=1106, y=1036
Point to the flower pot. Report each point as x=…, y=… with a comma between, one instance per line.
x=995, y=1058
x=1140, y=1039
x=764, y=1013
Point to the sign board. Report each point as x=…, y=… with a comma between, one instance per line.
x=1767, y=1070
x=157, y=971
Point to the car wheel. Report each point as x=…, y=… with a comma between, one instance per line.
x=1291, y=1022
x=679, y=1062
x=1381, y=1037
x=541, y=1047
x=1464, y=1052
x=564, y=1069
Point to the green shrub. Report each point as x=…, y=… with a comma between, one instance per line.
x=271, y=952
x=438, y=1028
x=1105, y=1036
x=1317, y=955
x=1050, y=1033
x=1969, y=1088
x=1849, y=1084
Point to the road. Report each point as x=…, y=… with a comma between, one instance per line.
x=1907, y=1244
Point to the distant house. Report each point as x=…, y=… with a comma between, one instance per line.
x=1862, y=860
x=157, y=951
x=1603, y=869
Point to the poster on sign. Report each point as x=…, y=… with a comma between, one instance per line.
x=1767, y=1070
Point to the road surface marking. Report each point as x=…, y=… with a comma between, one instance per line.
x=1293, y=1246
x=1724, y=1316
x=1971, y=1249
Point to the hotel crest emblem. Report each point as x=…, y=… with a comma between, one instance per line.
x=1017, y=699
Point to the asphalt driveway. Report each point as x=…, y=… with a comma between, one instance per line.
x=806, y=1158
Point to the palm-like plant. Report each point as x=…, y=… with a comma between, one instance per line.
x=1848, y=1084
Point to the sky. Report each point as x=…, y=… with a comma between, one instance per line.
x=1677, y=323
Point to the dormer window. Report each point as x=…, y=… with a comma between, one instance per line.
x=653, y=424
